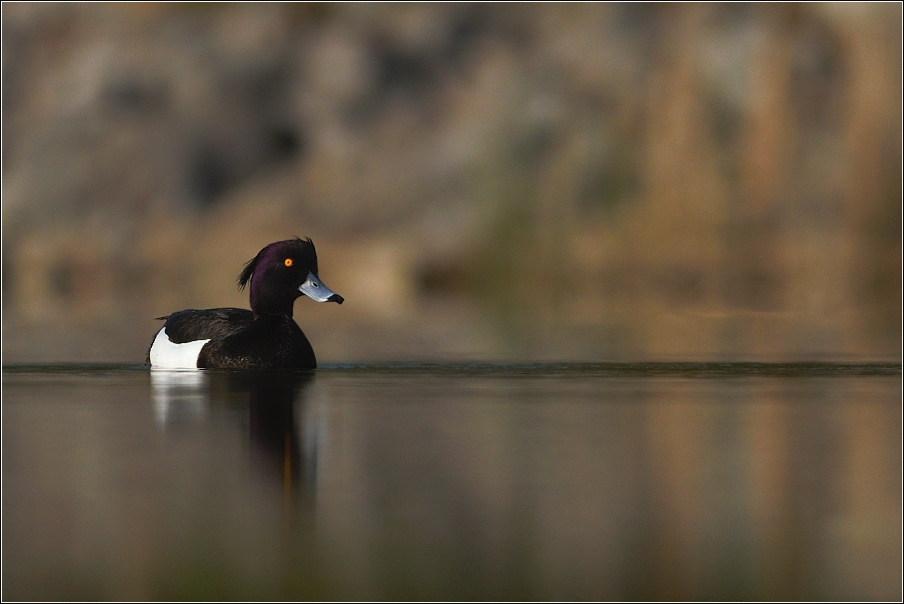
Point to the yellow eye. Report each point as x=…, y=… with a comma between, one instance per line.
x=288, y=262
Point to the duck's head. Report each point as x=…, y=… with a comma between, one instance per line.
x=280, y=273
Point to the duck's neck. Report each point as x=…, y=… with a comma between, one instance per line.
x=265, y=303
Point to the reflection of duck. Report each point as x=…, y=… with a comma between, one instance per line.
x=273, y=422
x=265, y=337
x=272, y=396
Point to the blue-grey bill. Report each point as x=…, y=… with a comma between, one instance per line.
x=314, y=288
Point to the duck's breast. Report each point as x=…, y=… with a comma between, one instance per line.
x=267, y=343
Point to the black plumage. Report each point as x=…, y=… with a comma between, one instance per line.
x=190, y=325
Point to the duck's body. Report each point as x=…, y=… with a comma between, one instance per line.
x=265, y=337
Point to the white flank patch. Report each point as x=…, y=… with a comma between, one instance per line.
x=167, y=355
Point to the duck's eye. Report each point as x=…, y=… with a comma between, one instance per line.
x=288, y=262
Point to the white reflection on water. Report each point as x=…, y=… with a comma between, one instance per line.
x=179, y=395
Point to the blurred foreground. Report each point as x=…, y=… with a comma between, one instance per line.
x=595, y=181
x=453, y=482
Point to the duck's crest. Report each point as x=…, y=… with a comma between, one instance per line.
x=247, y=271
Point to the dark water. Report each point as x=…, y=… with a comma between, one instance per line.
x=480, y=481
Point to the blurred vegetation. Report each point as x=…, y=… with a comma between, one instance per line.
x=544, y=181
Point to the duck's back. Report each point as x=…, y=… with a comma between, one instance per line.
x=193, y=325
x=230, y=338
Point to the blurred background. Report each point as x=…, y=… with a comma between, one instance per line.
x=482, y=182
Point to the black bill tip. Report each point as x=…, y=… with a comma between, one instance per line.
x=336, y=298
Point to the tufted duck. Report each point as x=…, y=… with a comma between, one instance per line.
x=265, y=337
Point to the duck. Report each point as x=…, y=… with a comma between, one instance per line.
x=265, y=337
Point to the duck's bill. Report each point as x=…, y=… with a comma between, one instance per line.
x=314, y=288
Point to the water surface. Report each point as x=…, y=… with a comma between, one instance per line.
x=453, y=481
